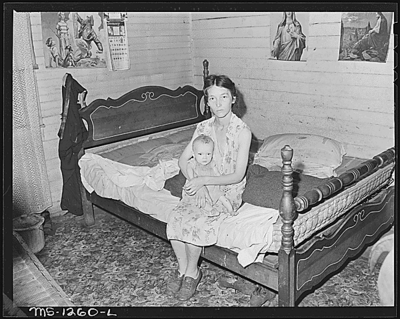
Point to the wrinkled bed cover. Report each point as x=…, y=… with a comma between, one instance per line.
x=135, y=171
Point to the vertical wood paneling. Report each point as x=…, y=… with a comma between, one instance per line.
x=352, y=102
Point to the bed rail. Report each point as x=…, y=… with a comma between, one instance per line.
x=337, y=184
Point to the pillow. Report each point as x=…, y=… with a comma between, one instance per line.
x=264, y=187
x=175, y=184
x=313, y=155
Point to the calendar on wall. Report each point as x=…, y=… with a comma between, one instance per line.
x=117, y=41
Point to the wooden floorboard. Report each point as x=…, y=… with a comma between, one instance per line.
x=24, y=279
x=32, y=284
x=18, y=267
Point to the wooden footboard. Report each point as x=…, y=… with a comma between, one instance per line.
x=303, y=267
x=327, y=253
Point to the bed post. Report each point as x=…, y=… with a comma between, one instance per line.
x=206, y=72
x=287, y=212
x=87, y=206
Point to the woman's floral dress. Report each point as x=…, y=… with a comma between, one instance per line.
x=189, y=223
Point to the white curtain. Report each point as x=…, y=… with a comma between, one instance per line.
x=31, y=189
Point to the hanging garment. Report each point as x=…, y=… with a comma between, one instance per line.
x=72, y=133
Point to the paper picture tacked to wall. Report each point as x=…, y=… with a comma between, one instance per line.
x=288, y=36
x=365, y=36
x=73, y=39
x=117, y=41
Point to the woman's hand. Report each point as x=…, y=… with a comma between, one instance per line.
x=192, y=186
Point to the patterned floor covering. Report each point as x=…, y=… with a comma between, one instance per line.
x=116, y=264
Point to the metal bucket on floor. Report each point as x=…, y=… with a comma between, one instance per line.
x=30, y=227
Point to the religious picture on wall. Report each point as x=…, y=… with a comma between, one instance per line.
x=365, y=36
x=288, y=36
x=73, y=39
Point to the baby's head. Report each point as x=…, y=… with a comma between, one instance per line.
x=203, y=149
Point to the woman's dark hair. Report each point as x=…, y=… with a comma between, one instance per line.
x=223, y=81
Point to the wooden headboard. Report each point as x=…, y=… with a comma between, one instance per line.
x=142, y=111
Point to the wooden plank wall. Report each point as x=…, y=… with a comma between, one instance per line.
x=352, y=102
x=160, y=53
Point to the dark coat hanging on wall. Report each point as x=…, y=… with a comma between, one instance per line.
x=72, y=133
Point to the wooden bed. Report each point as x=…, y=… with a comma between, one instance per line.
x=148, y=112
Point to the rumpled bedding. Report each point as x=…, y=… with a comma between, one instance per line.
x=249, y=233
x=123, y=175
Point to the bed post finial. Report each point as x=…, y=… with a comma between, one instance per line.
x=287, y=209
x=205, y=69
x=207, y=112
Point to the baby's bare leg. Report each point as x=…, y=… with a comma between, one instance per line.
x=227, y=204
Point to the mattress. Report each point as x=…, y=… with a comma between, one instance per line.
x=135, y=171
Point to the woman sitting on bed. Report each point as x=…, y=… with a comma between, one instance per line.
x=188, y=227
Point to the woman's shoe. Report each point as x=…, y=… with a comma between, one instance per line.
x=174, y=283
x=188, y=287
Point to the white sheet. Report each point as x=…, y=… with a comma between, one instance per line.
x=249, y=233
x=95, y=167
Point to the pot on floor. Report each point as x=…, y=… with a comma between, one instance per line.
x=30, y=227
